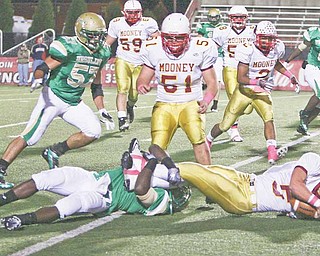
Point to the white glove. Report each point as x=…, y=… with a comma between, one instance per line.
x=174, y=176
x=295, y=82
x=107, y=119
x=265, y=84
x=37, y=83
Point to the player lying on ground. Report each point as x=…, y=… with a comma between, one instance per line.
x=291, y=188
x=101, y=192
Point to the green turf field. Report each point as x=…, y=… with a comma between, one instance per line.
x=198, y=230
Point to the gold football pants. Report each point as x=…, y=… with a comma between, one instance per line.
x=126, y=78
x=224, y=185
x=168, y=117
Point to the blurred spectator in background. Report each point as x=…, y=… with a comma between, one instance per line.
x=38, y=53
x=23, y=65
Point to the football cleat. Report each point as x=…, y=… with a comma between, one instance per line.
x=130, y=113
x=126, y=161
x=214, y=107
x=234, y=135
x=51, y=157
x=123, y=125
x=11, y=223
x=303, y=130
x=134, y=146
x=275, y=154
x=4, y=184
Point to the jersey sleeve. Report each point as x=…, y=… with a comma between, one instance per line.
x=144, y=54
x=243, y=53
x=311, y=163
x=281, y=49
x=209, y=56
x=218, y=35
x=58, y=50
x=152, y=27
x=160, y=205
x=200, y=29
x=112, y=30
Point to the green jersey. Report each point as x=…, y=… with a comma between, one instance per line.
x=79, y=66
x=206, y=30
x=312, y=35
x=121, y=199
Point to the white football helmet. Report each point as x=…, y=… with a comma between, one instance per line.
x=132, y=11
x=266, y=36
x=175, y=34
x=238, y=16
x=90, y=29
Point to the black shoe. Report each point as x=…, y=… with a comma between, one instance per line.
x=123, y=125
x=214, y=107
x=130, y=113
x=51, y=157
x=303, y=130
x=126, y=160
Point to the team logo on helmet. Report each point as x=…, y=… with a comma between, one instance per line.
x=132, y=11
x=266, y=36
x=175, y=34
x=214, y=16
x=90, y=29
x=238, y=16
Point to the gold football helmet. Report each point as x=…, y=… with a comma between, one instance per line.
x=90, y=29
x=214, y=16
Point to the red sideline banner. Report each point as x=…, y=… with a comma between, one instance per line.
x=9, y=71
x=9, y=74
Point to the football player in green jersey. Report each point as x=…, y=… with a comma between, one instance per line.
x=206, y=30
x=102, y=193
x=74, y=63
x=311, y=40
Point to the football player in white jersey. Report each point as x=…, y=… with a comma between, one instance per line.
x=228, y=37
x=257, y=61
x=130, y=30
x=291, y=188
x=178, y=63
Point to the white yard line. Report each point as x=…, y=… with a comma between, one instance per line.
x=70, y=234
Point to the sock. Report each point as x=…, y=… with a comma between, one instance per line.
x=28, y=218
x=60, y=148
x=8, y=197
x=122, y=114
x=271, y=143
x=3, y=164
x=209, y=137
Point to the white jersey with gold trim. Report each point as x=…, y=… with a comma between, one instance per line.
x=130, y=38
x=260, y=66
x=228, y=39
x=272, y=187
x=179, y=79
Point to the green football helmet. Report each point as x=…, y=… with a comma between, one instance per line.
x=179, y=198
x=90, y=29
x=214, y=16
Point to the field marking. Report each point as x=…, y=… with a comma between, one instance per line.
x=70, y=234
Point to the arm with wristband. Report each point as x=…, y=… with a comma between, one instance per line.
x=98, y=96
x=210, y=78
